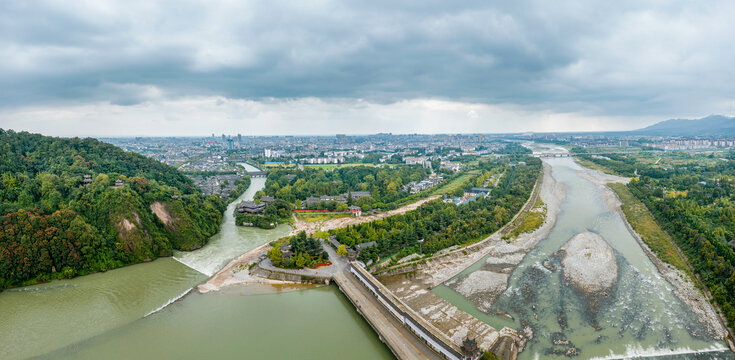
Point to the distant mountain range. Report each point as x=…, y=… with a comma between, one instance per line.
x=713, y=125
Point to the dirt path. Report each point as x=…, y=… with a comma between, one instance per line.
x=312, y=227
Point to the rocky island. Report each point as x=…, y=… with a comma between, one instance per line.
x=589, y=263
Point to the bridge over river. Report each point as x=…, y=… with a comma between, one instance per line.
x=257, y=173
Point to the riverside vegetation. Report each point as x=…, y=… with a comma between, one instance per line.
x=441, y=225
x=384, y=185
x=53, y=225
x=307, y=251
x=691, y=196
x=276, y=212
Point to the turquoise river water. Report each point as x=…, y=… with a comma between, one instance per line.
x=641, y=318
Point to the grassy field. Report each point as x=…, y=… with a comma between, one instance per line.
x=591, y=165
x=530, y=220
x=453, y=185
x=678, y=158
x=644, y=224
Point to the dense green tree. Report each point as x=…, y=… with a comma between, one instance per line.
x=695, y=204
x=53, y=225
x=384, y=184
x=442, y=225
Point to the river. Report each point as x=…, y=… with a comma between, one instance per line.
x=640, y=318
x=149, y=310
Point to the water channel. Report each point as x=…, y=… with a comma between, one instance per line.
x=131, y=312
x=149, y=310
x=639, y=318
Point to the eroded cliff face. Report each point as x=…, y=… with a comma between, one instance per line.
x=159, y=209
x=589, y=263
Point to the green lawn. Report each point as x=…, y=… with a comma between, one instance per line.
x=594, y=166
x=645, y=225
x=453, y=185
x=530, y=220
x=285, y=166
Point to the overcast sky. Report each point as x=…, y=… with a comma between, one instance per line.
x=102, y=68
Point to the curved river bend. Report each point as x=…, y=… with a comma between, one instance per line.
x=131, y=312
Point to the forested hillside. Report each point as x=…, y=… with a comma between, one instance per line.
x=53, y=224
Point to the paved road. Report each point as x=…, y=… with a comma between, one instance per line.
x=338, y=265
x=403, y=343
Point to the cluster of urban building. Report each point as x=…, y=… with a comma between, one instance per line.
x=690, y=144
x=211, y=161
x=217, y=184
x=218, y=153
x=415, y=187
x=469, y=195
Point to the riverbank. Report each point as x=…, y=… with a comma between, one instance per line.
x=683, y=287
x=448, y=263
x=413, y=281
x=236, y=272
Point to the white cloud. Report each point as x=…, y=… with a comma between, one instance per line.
x=205, y=115
x=503, y=66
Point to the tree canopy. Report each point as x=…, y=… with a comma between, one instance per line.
x=694, y=203
x=53, y=224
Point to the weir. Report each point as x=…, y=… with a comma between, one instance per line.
x=406, y=333
x=169, y=302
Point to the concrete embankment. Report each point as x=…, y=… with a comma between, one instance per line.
x=403, y=343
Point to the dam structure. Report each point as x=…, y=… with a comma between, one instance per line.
x=405, y=332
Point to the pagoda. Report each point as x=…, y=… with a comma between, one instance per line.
x=469, y=348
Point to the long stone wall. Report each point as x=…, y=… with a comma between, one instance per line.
x=431, y=336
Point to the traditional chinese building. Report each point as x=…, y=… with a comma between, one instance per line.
x=352, y=254
x=469, y=348
x=355, y=210
x=250, y=207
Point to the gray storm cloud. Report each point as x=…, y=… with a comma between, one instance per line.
x=605, y=65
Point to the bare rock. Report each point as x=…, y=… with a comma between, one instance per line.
x=482, y=281
x=589, y=263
